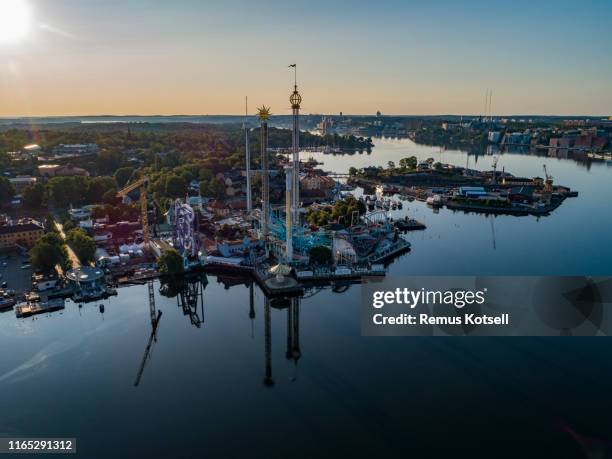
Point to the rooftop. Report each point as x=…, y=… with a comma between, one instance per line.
x=19, y=228
x=84, y=274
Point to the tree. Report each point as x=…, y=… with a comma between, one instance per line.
x=97, y=187
x=353, y=170
x=217, y=188
x=111, y=198
x=176, y=186
x=108, y=162
x=123, y=175
x=321, y=256
x=390, y=164
x=170, y=263
x=49, y=251
x=68, y=190
x=50, y=224
x=44, y=256
x=33, y=195
x=83, y=245
x=68, y=225
x=6, y=190
x=408, y=163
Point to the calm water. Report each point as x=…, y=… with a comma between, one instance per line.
x=202, y=391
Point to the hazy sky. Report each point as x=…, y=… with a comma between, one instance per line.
x=399, y=56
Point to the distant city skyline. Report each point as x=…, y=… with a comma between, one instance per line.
x=153, y=57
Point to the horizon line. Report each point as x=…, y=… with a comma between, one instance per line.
x=566, y=115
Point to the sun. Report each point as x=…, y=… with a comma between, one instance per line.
x=14, y=21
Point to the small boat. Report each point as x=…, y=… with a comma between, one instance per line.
x=434, y=201
x=6, y=303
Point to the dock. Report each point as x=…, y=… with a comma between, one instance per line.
x=34, y=308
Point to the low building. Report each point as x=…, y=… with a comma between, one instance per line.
x=43, y=282
x=86, y=282
x=472, y=191
x=80, y=213
x=312, y=182
x=20, y=183
x=76, y=149
x=20, y=234
x=57, y=170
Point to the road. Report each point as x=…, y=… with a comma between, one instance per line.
x=76, y=263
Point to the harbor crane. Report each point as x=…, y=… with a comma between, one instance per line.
x=548, y=183
x=141, y=183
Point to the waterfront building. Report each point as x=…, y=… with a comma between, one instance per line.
x=494, y=136
x=43, y=282
x=20, y=234
x=86, y=282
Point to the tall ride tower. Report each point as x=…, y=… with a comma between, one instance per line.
x=264, y=115
x=289, y=214
x=296, y=100
x=248, y=156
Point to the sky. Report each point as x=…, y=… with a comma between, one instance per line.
x=129, y=57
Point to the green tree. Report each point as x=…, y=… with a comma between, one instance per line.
x=176, y=186
x=33, y=195
x=321, y=256
x=44, y=256
x=49, y=251
x=83, y=245
x=111, y=198
x=408, y=163
x=97, y=187
x=216, y=188
x=170, y=263
x=65, y=191
x=353, y=170
x=123, y=175
x=6, y=190
x=50, y=224
x=67, y=226
x=108, y=162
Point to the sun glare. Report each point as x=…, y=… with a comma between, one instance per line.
x=14, y=21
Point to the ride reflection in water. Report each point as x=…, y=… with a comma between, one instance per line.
x=189, y=294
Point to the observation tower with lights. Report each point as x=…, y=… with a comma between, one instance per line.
x=296, y=99
x=264, y=116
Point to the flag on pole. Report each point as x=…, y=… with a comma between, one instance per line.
x=292, y=65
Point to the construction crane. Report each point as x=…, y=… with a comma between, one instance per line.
x=142, y=184
x=155, y=318
x=495, y=161
x=548, y=183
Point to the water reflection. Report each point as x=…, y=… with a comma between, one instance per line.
x=190, y=298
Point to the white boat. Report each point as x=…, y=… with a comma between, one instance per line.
x=435, y=200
